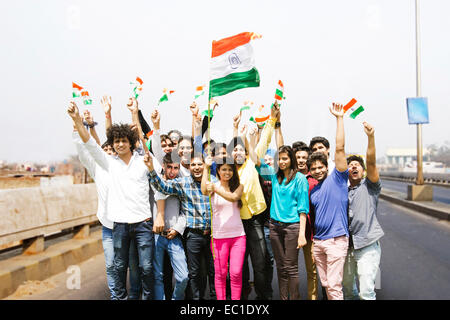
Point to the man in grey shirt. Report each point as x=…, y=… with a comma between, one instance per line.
x=363, y=257
x=168, y=236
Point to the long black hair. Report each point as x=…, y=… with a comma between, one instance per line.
x=293, y=166
x=234, y=182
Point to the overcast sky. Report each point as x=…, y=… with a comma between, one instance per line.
x=323, y=51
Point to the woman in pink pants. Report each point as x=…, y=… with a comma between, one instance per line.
x=227, y=229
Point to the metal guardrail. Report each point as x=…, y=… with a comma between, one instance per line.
x=437, y=179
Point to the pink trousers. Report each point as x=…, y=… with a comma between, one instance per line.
x=330, y=257
x=234, y=250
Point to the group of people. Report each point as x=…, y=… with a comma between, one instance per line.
x=185, y=208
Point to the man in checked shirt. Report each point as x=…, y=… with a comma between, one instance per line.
x=195, y=206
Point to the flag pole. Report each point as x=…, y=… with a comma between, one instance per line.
x=209, y=170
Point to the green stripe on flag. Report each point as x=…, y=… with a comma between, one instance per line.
x=245, y=108
x=163, y=98
x=87, y=101
x=355, y=113
x=205, y=113
x=279, y=93
x=234, y=81
x=75, y=95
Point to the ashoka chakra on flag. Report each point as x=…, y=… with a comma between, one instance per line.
x=233, y=65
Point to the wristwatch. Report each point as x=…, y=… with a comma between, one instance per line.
x=277, y=125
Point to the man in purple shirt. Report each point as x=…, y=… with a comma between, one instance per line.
x=329, y=199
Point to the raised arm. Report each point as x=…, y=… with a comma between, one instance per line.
x=213, y=104
x=106, y=103
x=252, y=146
x=206, y=186
x=278, y=134
x=156, y=137
x=340, y=160
x=134, y=109
x=236, y=120
x=90, y=121
x=372, y=171
x=94, y=149
x=266, y=135
x=144, y=125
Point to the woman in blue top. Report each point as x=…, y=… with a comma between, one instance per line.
x=288, y=211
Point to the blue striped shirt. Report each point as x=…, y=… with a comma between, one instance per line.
x=194, y=204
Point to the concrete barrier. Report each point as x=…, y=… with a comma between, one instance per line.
x=32, y=212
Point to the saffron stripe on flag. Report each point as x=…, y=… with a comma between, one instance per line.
x=75, y=86
x=355, y=113
x=221, y=46
x=349, y=105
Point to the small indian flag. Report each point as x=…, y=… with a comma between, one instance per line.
x=351, y=106
x=137, y=87
x=246, y=106
x=86, y=99
x=233, y=65
x=165, y=96
x=76, y=90
x=279, y=91
x=199, y=91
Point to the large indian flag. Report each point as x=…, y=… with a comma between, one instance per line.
x=233, y=64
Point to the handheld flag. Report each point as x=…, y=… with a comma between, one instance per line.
x=354, y=110
x=165, y=96
x=137, y=87
x=233, y=64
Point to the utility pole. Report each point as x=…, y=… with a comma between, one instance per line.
x=419, y=179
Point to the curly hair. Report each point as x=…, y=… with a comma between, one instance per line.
x=121, y=130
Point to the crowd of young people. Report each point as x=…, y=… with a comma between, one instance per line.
x=176, y=210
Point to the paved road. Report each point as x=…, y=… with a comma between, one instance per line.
x=440, y=194
x=415, y=262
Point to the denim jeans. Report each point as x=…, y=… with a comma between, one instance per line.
x=269, y=263
x=123, y=235
x=108, y=251
x=178, y=261
x=135, y=277
x=257, y=249
x=197, y=249
x=362, y=263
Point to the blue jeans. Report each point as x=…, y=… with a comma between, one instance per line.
x=140, y=236
x=198, y=247
x=362, y=263
x=269, y=263
x=108, y=251
x=178, y=261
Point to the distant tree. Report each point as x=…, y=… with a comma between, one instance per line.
x=440, y=154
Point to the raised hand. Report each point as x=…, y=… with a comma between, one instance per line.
x=244, y=130
x=132, y=104
x=236, y=120
x=337, y=110
x=88, y=117
x=253, y=134
x=194, y=109
x=368, y=129
x=155, y=117
x=275, y=110
x=106, y=103
x=73, y=112
x=148, y=161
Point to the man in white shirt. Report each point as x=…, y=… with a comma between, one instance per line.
x=127, y=203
